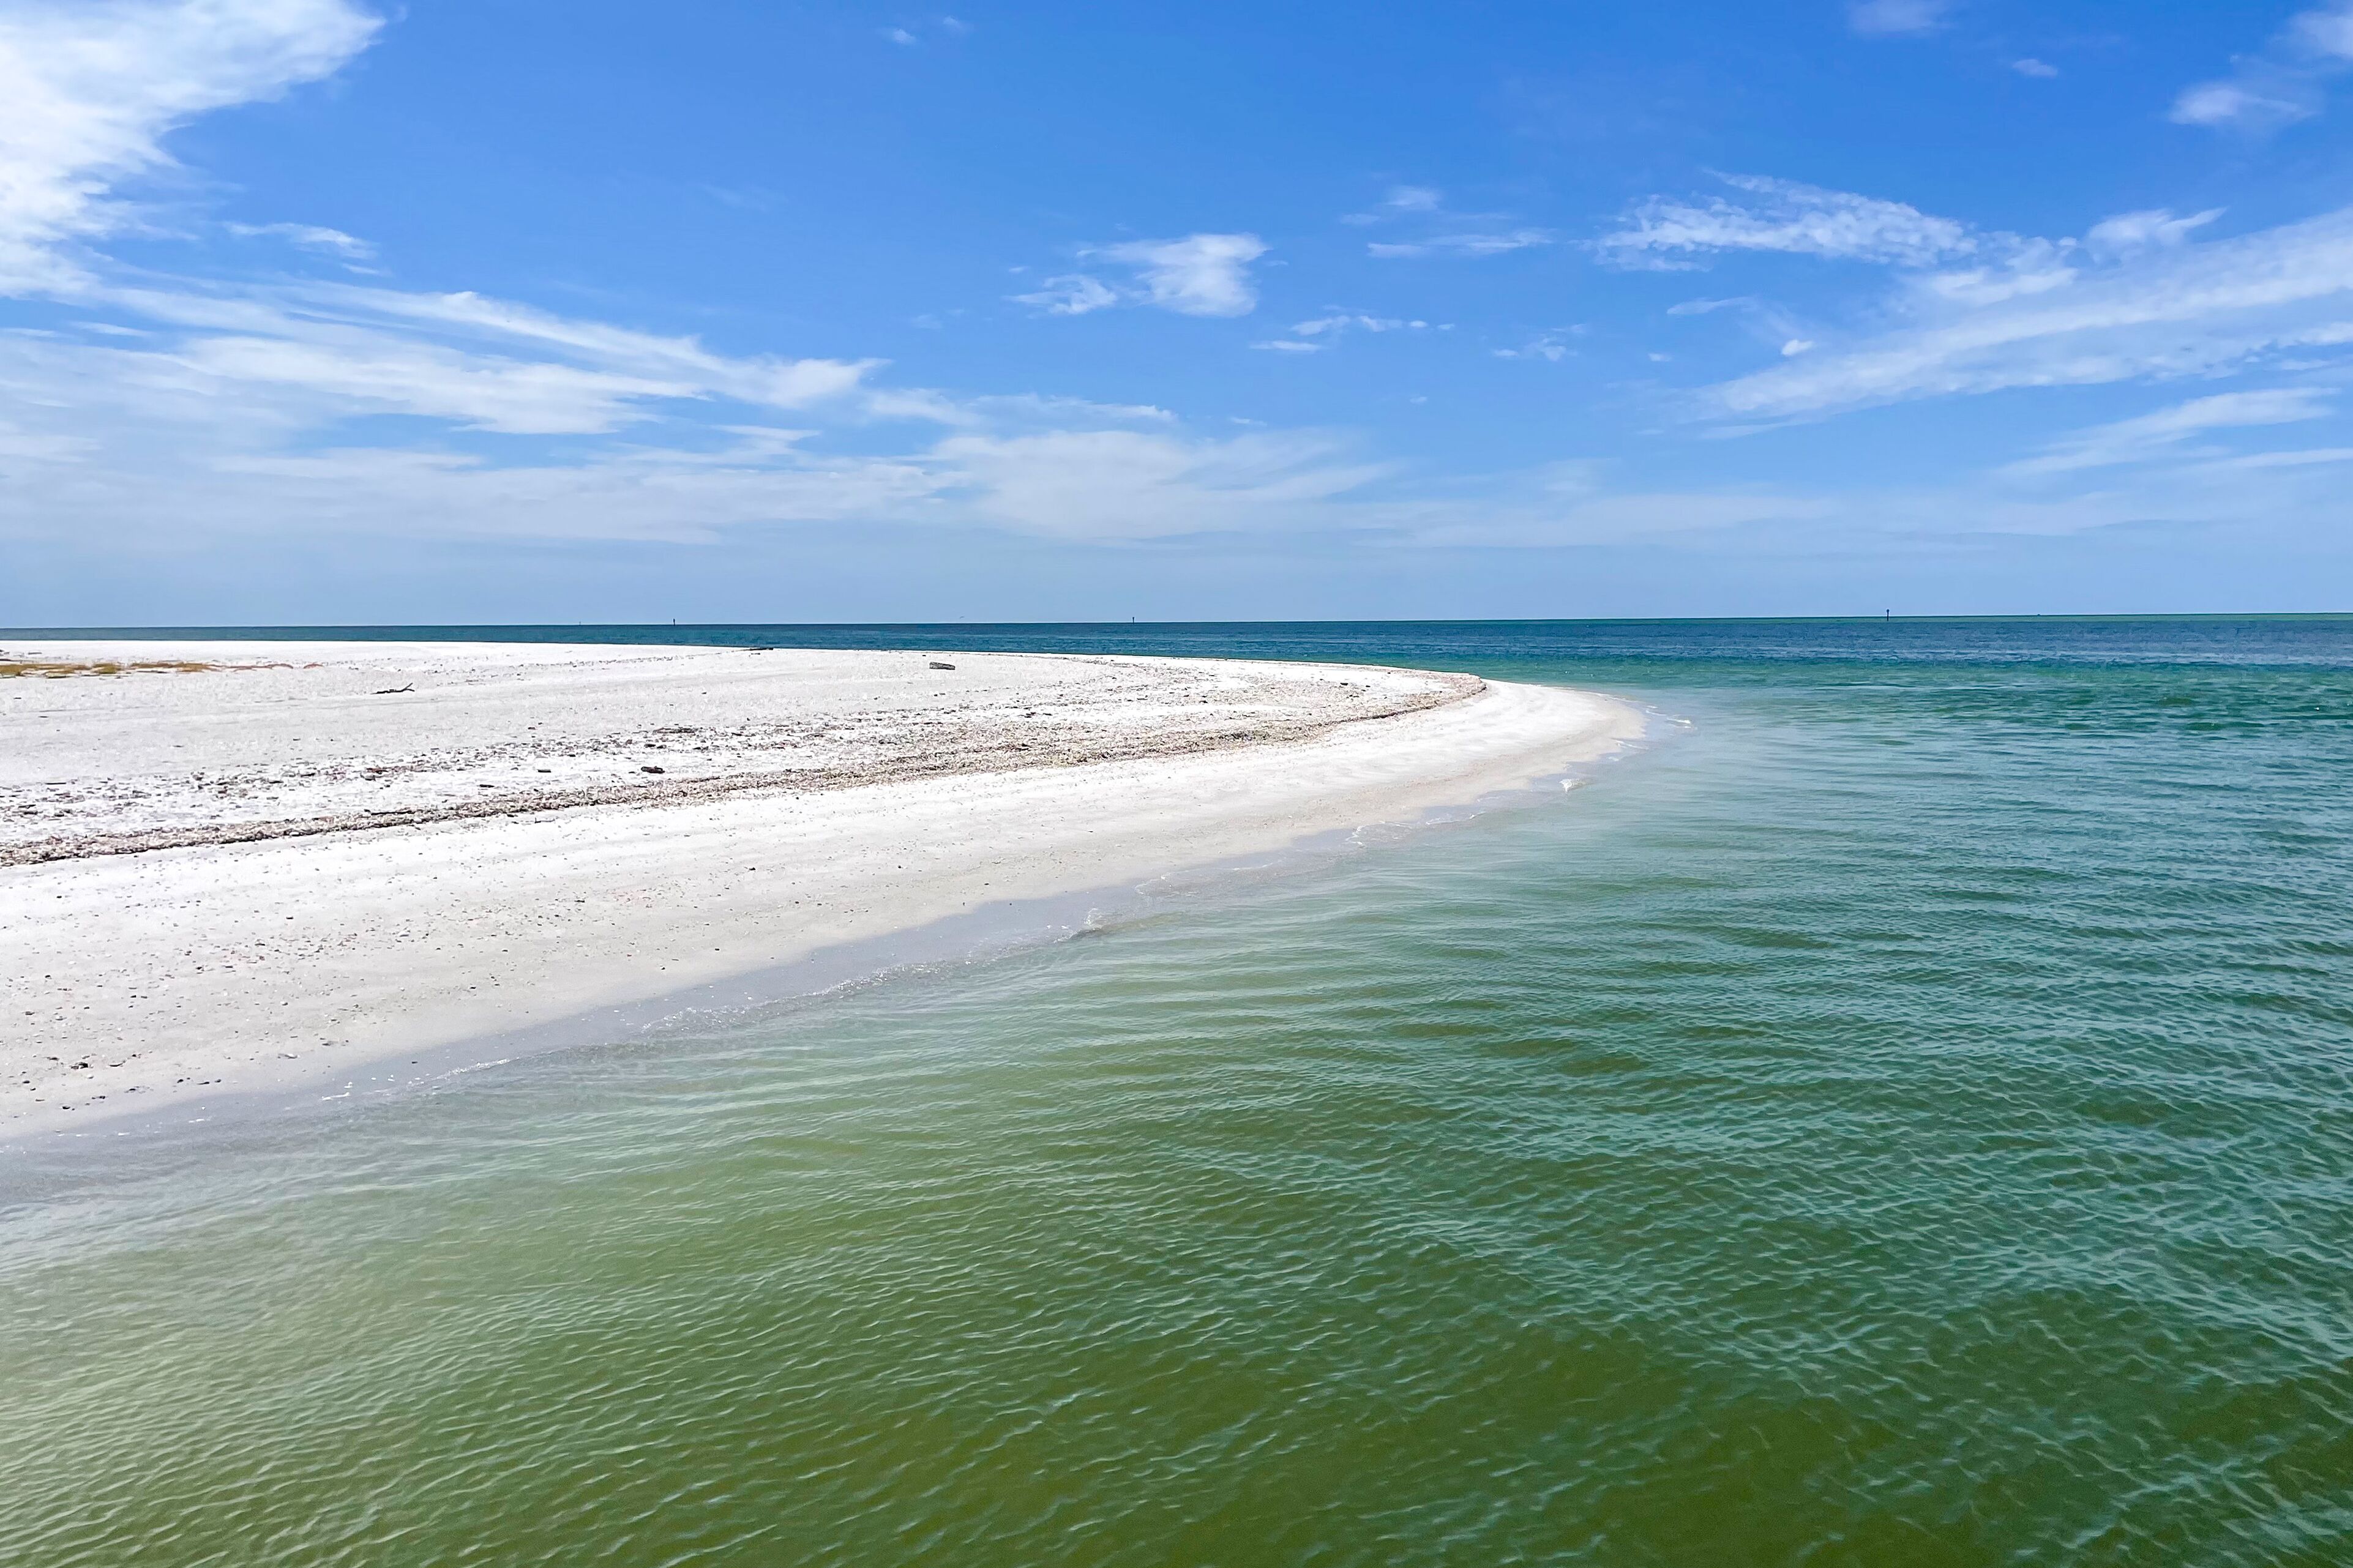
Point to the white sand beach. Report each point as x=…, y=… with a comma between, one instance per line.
x=240, y=865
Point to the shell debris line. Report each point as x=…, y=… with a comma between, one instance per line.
x=275, y=749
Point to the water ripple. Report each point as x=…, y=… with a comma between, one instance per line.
x=1907, y=1121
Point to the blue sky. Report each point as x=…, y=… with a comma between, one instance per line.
x=520, y=309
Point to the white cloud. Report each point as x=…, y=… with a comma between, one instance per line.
x=1458, y=234
x=1897, y=18
x=2239, y=104
x=1551, y=347
x=1320, y=333
x=1788, y=217
x=309, y=237
x=1570, y=504
x=211, y=407
x=2259, y=461
x=2032, y=67
x=1123, y=484
x=1346, y=322
x=2152, y=434
x=208, y=409
x=2326, y=34
x=1470, y=244
x=2026, y=267
x=1073, y=294
x=484, y=394
x=2128, y=232
x=373, y=324
x=1031, y=408
x=2284, y=81
x=86, y=94
x=2177, y=309
x=88, y=91
x=2138, y=296
x=911, y=34
x=409, y=494
x=1199, y=275
x=1402, y=201
x=220, y=438
x=1001, y=411
x=1582, y=502
x=920, y=403
x=316, y=354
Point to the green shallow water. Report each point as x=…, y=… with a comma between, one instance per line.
x=1905, y=1118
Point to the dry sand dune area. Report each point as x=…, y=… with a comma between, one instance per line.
x=228, y=864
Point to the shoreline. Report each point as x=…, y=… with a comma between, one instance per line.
x=172, y=976
x=975, y=936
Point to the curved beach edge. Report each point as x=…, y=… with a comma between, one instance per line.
x=148, y=983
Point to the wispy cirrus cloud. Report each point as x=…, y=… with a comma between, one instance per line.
x=152, y=483
x=2178, y=309
x=484, y=363
x=2127, y=234
x=182, y=406
x=1198, y=275
x=1710, y=307
x=1125, y=484
x=2162, y=434
x=1897, y=18
x=1323, y=331
x=2285, y=81
x=1551, y=346
x=1355, y=321
x=1446, y=232
x=1784, y=215
x=149, y=406
x=1400, y=201
x=90, y=93
x=1466, y=243
x=1972, y=311
x=171, y=436
x=1071, y=294
x=1588, y=501
x=309, y=237
x=87, y=93
x=915, y=33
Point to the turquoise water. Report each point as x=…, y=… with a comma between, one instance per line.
x=1905, y=1118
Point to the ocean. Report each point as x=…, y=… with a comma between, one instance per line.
x=1903, y=1115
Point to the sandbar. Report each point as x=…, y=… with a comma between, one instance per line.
x=227, y=865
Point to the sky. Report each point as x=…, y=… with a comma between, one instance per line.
x=324, y=311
